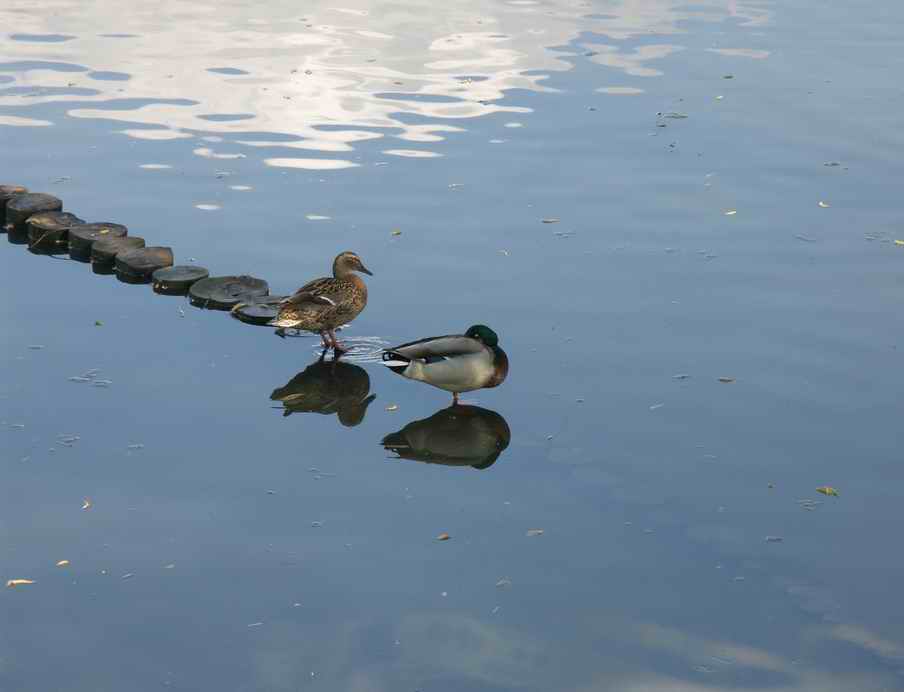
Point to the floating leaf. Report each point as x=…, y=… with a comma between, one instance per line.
x=443, y=537
x=396, y=231
x=63, y=563
x=828, y=490
x=12, y=583
x=899, y=242
x=726, y=380
x=551, y=219
x=98, y=323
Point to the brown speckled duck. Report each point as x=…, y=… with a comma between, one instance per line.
x=323, y=304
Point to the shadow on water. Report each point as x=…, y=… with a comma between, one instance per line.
x=455, y=436
x=328, y=387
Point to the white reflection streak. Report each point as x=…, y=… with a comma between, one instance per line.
x=328, y=67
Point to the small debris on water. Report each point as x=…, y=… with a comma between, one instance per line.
x=396, y=231
x=774, y=539
x=680, y=376
x=443, y=537
x=726, y=380
x=62, y=563
x=98, y=323
x=534, y=532
x=36, y=347
x=12, y=583
x=828, y=491
x=392, y=407
x=87, y=504
x=824, y=205
x=255, y=624
x=656, y=406
x=317, y=217
x=504, y=583
x=731, y=212
x=128, y=575
x=136, y=446
x=551, y=219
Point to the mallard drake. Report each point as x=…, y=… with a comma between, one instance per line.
x=323, y=304
x=328, y=388
x=454, y=436
x=456, y=363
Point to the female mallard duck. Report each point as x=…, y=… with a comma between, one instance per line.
x=456, y=363
x=323, y=304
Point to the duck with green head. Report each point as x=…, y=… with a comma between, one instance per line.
x=457, y=363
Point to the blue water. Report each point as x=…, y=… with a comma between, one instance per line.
x=227, y=546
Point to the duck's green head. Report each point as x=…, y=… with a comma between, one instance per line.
x=484, y=335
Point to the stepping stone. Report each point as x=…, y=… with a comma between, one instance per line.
x=20, y=207
x=104, y=251
x=225, y=292
x=175, y=281
x=258, y=310
x=7, y=192
x=143, y=262
x=50, y=229
x=81, y=238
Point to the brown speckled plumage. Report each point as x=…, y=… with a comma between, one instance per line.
x=324, y=304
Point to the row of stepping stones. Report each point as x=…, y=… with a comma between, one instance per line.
x=38, y=220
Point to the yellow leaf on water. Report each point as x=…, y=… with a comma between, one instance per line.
x=899, y=242
x=12, y=583
x=828, y=490
x=87, y=504
x=63, y=563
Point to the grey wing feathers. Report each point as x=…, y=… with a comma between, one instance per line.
x=439, y=346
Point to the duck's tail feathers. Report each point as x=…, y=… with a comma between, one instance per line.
x=396, y=361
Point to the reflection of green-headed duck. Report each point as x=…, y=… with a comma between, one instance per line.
x=322, y=305
x=456, y=363
x=328, y=387
x=456, y=436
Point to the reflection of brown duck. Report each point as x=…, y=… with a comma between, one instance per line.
x=328, y=387
x=456, y=436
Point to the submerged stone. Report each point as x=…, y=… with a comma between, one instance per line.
x=259, y=310
x=143, y=262
x=7, y=192
x=104, y=251
x=82, y=238
x=225, y=292
x=177, y=280
x=20, y=207
x=50, y=229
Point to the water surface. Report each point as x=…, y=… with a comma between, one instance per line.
x=237, y=540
